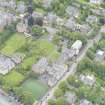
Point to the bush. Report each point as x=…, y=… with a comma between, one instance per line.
x=58, y=93
x=63, y=86
x=61, y=101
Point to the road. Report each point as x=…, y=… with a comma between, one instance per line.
x=72, y=69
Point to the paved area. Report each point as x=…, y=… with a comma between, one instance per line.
x=5, y=100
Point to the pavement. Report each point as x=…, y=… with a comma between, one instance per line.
x=5, y=100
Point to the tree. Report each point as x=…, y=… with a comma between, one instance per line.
x=38, y=31
x=63, y=86
x=51, y=102
x=30, y=21
x=58, y=93
x=101, y=44
x=102, y=21
x=72, y=80
x=39, y=21
x=90, y=54
x=61, y=101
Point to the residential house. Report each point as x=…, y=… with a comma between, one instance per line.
x=51, y=17
x=100, y=55
x=84, y=28
x=6, y=18
x=37, y=15
x=70, y=97
x=88, y=79
x=55, y=72
x=51, y=32
x=17, y=57
x=102, y=30
x=99, y=11
x=71, y=24
x=8, y=3
x=85, y=102
x=47, y=3
x=91, y=19
x=96, y=1
x=6, y=64
x=22, y=27
x=77, y=46
x=41, y=66
x=67, y=54
x=21, y=7
x=72, y=11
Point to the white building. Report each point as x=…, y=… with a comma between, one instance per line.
x=102, y=29
x=100, y=55
x=88, y=79
x=77, y=46
x=96, y=1
x=6, y=64
x=85, y=102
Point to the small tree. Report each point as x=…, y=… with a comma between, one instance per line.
x=58, y=93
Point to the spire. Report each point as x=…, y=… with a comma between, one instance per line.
x=30, y=7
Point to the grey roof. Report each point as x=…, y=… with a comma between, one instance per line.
x=51, y=17
x=70, y=97
x=88, y=79
x=18, y=57
x=6, y=18
x=47, y=3
x=21, y=7
x=70, y=24
x=85, y=102
x=72, y=11
x=8, y=3
x=91, y=19
x=6, y=64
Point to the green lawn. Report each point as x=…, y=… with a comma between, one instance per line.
x=13, y=43
x=28, y=62
x=35, y=88
x=13, y=79
x=47, y=49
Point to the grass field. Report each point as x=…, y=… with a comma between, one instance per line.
x=47, y=48
x=35, y=88
x=13, y=79
x=13, y=43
